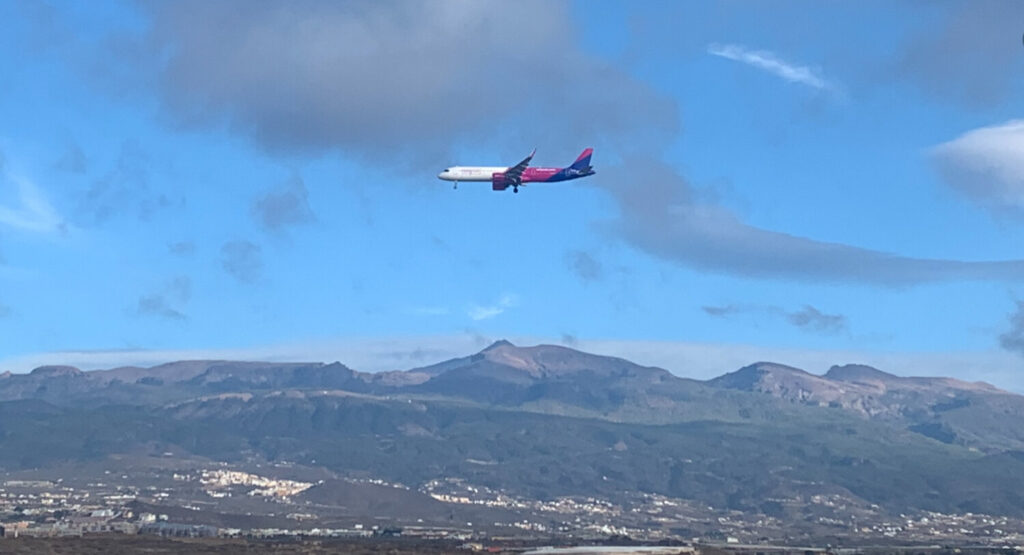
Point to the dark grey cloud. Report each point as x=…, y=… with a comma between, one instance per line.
x=660, y=213
x=987, y=166
x=808, y=318
x=721, y=311
x=182, y=248
x=395, y=80
x=243, y=260
x=812, y=319
x=124, y=190
x=72, y=161
x=286, y=206
x=157, y=305
x=1013, y=339
x=166, y=302
x=585, y=266
x=973, y=56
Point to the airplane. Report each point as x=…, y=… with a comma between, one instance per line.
x=502, y=178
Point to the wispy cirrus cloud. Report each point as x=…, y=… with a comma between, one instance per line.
x=768, y=61
x=485, y=312
x=28, y=208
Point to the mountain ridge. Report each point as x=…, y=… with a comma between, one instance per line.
x=550, y=421
x=560, y=380
x=501, y=350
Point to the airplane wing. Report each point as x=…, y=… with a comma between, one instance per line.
x=515, y=173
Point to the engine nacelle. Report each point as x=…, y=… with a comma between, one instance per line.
x=499, y=182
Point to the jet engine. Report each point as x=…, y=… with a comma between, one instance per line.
x=499, y=182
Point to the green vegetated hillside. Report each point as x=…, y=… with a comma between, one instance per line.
x=547, y=421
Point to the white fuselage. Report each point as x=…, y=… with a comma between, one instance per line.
x=471, y=173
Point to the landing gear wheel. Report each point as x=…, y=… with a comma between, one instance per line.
x=515, y=189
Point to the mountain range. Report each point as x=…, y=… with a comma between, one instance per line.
x=547, y=421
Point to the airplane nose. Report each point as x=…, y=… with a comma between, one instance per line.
x=442, y=175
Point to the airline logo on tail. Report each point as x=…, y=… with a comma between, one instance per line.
x=583, y=162
x=503, y=177
x=581, y=167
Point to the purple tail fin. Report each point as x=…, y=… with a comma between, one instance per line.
x=583, y=162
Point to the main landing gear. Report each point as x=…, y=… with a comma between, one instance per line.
x=515, y=188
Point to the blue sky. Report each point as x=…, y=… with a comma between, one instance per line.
x=810, y=184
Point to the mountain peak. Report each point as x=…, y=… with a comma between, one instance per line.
x=750, y=378
x=498, y=344
x=858, y=372
x=784, y=382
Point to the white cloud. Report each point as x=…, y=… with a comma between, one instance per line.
x=477, y=312
x=987, y=165
x=768, y=61
x=30, y=211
